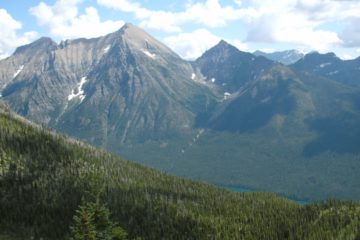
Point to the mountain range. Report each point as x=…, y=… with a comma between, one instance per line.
x=330, y=66
x=286, y=57
x=230, y=117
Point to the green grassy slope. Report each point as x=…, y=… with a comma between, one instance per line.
x=44, y=178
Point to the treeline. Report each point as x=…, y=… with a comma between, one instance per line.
x=46, y=178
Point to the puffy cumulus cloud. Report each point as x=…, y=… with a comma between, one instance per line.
x=8, y=32
x=192, y=45
x=301, y=22
x=292, y=28
x=212, y=14
x=64, y=21
x=296, y=22
x=209, y=13
x=239, y=44
x=158, y=20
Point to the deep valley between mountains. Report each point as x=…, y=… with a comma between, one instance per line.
x=229, y=118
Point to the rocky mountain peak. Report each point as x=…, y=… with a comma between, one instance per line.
x=140, y=41
x=317, y=57
x=41, y=45
x=222, y=49
x=229, y=68
x=317, y=62
x=223, y=43
x=129, y=25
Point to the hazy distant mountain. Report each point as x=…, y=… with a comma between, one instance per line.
x=230, y=117
x=285, y=57
x=330, y=66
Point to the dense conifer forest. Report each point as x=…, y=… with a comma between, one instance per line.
x=50, y=185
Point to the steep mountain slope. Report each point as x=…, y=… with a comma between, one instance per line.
x=230, y=68
x=285, y=57
x=140, y=91
x=121, y=88
x=330, y=66
x=284, y=132
x=38, y=78
x=44, y=177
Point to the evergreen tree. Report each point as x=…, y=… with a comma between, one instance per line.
x=92, y=222
x=84, y=227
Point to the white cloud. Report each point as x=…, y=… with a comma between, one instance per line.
x=209, y=13
x=346, y=56
x=158, y=20
x=347, y=53
x=239, y=45
x=192, y=45
x=8, y=32
x=297, y=22
x=307, y=24
x=63, y=20
x=293, y=21
x=212, y=14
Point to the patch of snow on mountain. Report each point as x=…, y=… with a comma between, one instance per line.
x=1, y=89
x=18, y=71
x=324, y=65
x=226, y=95
x=332, y=73
x=79, y=91
x=193, y=76
x=265, y=100
x=213, y=80
x=107, y=49
x=149, y=54
x=288, y=55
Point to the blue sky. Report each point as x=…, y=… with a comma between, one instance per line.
x=191, y=27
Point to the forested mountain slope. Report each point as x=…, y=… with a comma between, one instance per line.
x=44, y=177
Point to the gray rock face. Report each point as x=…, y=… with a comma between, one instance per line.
x=37, y=79
x=126, y=86
x=227, y=67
